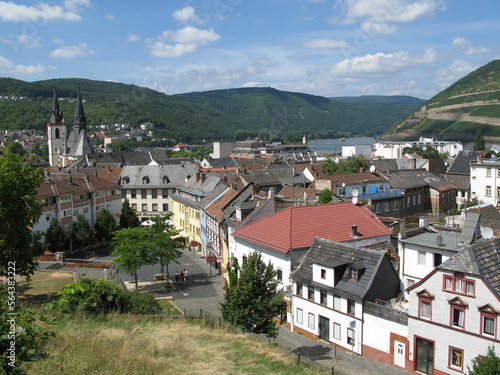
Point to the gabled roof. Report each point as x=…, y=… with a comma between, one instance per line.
x=354, y=178
x=410, y=178
x=297, y=227
x=132, y=175
x=334, y=254
x=481, y=259
x=461, y=165
x=213, y=205
x=63, y=184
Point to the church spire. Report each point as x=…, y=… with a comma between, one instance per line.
x=80, y=118
x=56, y=113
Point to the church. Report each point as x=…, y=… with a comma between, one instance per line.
x=65, y=148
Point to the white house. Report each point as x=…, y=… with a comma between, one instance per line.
x=485, y=180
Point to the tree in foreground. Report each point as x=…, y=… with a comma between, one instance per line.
x=18, y=209
x=82, y=231
x=255, y=300
x=487, y=365
x=105, y=226
x=133, y=247
x=164, y=249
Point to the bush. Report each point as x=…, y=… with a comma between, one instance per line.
x=142, y=303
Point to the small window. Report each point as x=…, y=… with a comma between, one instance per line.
x=336, y=302
x=145, y=180
x=300, y=316
x=311, y=321
x=323, y=273
x=456, y=358
x=421, y=258
x=144, y=206
x=488, y=191
x=310, y=293
x=395, y=205
x=458, y=316
x=133, y=194
x=298, y=289
x=279, y=274
x=336, y=331
x=322, y=297
x=489, y=323
x=155, y=207
x=166, y=180
x=144, y=194
x=154, y=193
x=351, y=307
x=424, y=310
x=350, y=336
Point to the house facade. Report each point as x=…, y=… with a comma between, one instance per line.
x=485, y=180
x=453, y=311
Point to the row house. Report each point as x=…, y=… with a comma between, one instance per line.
x=352, y=184
x=485, y=180
x=454, y=311
x=330, y=288
x=186, y=206
x=66, y=196
x=148, y=187
x=284, y=237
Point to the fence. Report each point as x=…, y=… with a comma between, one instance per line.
x=386, y=311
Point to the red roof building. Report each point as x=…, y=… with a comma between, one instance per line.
x=297, y=227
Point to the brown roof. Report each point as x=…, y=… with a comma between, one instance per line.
x=215, y=208
x=58, y=185
x=353, y=178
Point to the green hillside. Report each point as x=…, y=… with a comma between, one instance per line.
x=471, y=103
x=193, y=117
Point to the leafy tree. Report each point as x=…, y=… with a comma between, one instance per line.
x=82, y=230
x=254, y=302
x=18, y=209
x=428, y=153
x=128, y=217
x=30, y=333
x=164, y=248
x=201, y=152
x=105, y=225
x=133, y=246
x=294, y=137
x=487, y=365
x=325, y=196
x=479, y=144
x=353, y=164
x=55, y=236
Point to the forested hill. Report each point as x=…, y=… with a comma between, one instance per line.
x=469, y=104
x=193, y=117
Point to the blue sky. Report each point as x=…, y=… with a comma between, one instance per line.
x=320, y=47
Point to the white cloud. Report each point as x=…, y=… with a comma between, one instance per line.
x=110, y=17
x=24, y=40
x=378, y=16
x=469, y=49
x=458, y=69
x=8, y=67
x=133, y=38
x=41, y=13
x=185, y=15
x=181, y=42
x=325, y=44
x=71, y=52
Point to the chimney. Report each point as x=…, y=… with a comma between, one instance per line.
x=354, y=230
x=197, y=176
x=203, y=177
x=70, y=180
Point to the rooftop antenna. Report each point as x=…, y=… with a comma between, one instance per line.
x=355, y=193
x=487, y=233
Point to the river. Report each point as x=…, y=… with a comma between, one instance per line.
x=331, y=146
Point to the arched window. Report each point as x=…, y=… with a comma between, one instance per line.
x=58, y=135
x=166, y=180
x=145, y=180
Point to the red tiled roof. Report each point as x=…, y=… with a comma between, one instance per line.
x=297, y=227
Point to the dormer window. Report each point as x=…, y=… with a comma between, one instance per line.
x=126, y=180
x=145, y=180
x=356, y=270
x=166, y=180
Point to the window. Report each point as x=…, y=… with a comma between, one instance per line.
x=353, y=274
x=144, y=206
x=424, y=310
x=98, y=208
x=300, y=316
x=164, y=193
x=279, y=274
x=421, y=258
x=351, y=307
x=154, y=193
x=488, y=324
x=350, y=336
x=488, y=172
x=336, y=331
x=408, y=201
x=414, y=200
x=336, y=302
x=488, y=191
x=456, y=358
x=419, y=199
x=409, y=282
x=322, y=297
x=395, y=205
x=438, y=259
x=155, y=206
x=144, y=194
x=298, y=290
x=311, y=321
x=323, y=273
x=310, y=293
x=166, y=180
x=387, y=206
x=165, y=206
x=145, y=180
x=459, y=284
x=457, y=315
x=133, y=194
x=378, y=208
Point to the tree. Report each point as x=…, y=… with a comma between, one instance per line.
x=487, y=365
x=325, y=196
x=133, y=247
x=353, y=164
x=255, y=300
x=55, y=236
x=18, y=209
x=479, y=145
x=83, y=231
x=164, y=247
x=128, y=217
x=105, y=225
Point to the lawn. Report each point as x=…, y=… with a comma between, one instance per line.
x=42, y=287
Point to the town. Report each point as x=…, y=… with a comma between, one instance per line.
x=398, y=264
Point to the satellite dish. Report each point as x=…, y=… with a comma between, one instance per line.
x=440, y=240
x=355, y=192
x=487, y=232
x=372, y=168
x=354, y=200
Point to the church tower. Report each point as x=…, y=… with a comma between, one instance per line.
x=56, y=132
x=78, y=143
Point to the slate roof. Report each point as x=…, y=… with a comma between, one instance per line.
x=481, y=258
x=332, y=254
x=461, y=164
x=410, y=178
x=132, y=158
x=63, y=184
x=490, y=217
x=297, y=227
x=176, y=174
x=354, y=178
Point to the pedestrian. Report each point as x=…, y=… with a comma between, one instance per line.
x=177, y=276
x=185, y=275
x=181, y=276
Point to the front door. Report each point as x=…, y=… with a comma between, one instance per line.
x=324, y=328
x=425, y=356
x=399, y=353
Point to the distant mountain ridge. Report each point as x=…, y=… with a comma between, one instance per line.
x=194, y=117
x=395, y=99
x=471, y=103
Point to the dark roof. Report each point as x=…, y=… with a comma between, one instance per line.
x=461, y=165
x=490, y=217
x=410, y=178
x=334, y=254
x=132, y=158
x=482, y=259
